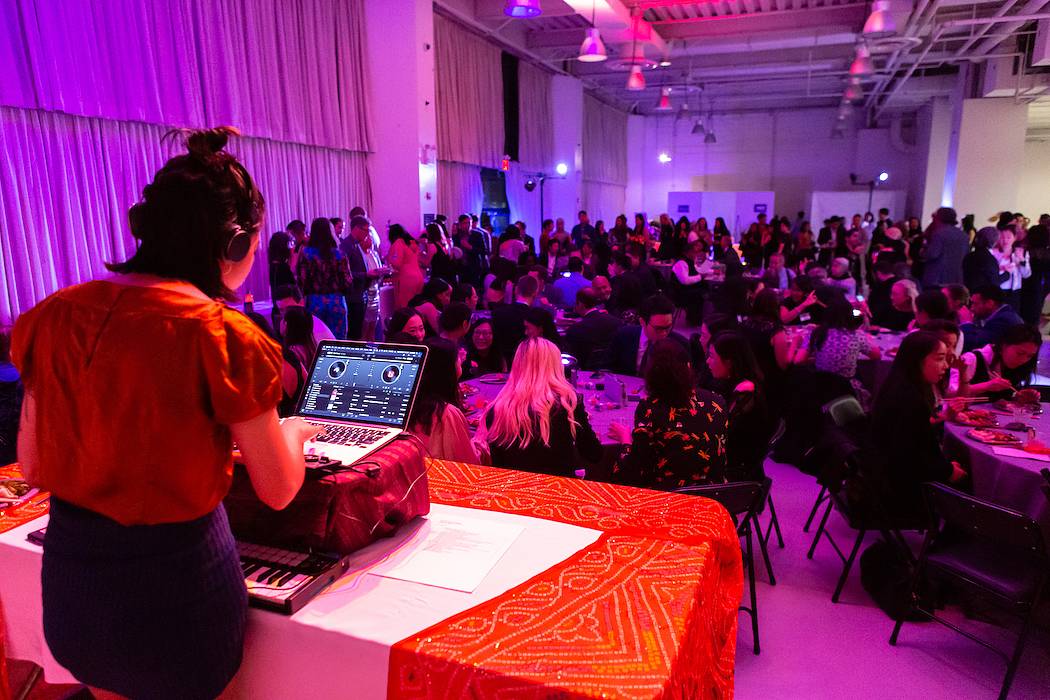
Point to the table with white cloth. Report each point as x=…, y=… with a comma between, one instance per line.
x=607, y=591
x=1010, y=481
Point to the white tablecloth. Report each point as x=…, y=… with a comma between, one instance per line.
x=337, y=646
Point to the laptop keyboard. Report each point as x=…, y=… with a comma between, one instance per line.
x=349, y=435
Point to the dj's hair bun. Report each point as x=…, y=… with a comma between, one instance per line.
x=205, y=144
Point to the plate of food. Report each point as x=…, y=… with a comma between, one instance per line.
x=467, y=390
x=993, y=437
x=977, y=418
x=494, y=378
x=15, y=492
x=1011, y=405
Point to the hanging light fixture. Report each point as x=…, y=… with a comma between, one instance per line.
x=862, y=64
x=880, y=22
x=698, y=128
x=709, y=137
x=845, y=109
x=854, y=93
x=592, y=50
x=665, y=100
x=522, y=9
x=635, y=79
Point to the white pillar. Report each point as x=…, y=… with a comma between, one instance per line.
x=403, y=161
x=936, y=125
x=990, y=156
x=562, y=195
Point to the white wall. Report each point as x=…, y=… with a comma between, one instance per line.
x=1034, y=197
x=790, y=153
x=936, y=120
x=991, y=148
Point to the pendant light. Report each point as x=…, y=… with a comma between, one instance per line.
x=709, y=137
x=880, y=22
x=862, y=64
x=592, y=50
x=522, y=9
x=665, y=100
x=635, y=79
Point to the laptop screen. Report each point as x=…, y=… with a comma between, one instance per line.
x=363, y=382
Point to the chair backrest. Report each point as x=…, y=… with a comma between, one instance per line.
x=1046, y=477
x=1005, y=528
x=740, y=498
x=843, y=410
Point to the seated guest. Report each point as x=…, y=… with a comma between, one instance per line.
x=298, y=353
x=554, y=260
x=905, y=431
x=649, y=279
x=687, y=282
x=454, y=323
x=508, y=321
x=496, y=291
x=537, y=422
x=774, y=349
x=727, y=255
x=980, y=267
x=589, y=339
x=958, y=302
x=437, y=414
x=931, y=305
x=563, y=291
x=997, y=370
x=991, y=317
x=482, y=355
x=288, y=296
x=679, y=433
x=902, y=306
x=436, y=295
x=11, y=393
x=801, y=297
x=626, y=297
x=700, y=347
x=602, y=290
x=465, y=293
x=409, y=322
x=777, y=275
x=629, y=345
x=840, y=277
x=879, y=295
x=750, y=423
x=539, y=323
x=838, y=342
x=951, y=336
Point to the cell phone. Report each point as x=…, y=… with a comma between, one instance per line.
x=804, y=318
x=860, y=297
x=856, y=312
x=37, y=536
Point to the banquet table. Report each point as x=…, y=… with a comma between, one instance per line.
x=871, y=373
x=608, y=592
x=1012, y=481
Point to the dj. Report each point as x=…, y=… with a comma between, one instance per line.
x=136, y=387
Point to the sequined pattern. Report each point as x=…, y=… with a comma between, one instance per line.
x=10, y=518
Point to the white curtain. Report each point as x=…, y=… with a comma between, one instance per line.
x=469, y=96
x=603, y=201
x=524, y=205
x=459, y=189
x=535, y=118
x=290, y=71
x=604, y=143
x=66, y=184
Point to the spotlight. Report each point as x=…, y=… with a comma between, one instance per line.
x=664, y=158
x=562, y=169
x=884, y=176
x=664, y=62
x=530, y=185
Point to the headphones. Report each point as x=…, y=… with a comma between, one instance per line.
x=238, y=247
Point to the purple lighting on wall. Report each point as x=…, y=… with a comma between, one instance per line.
x=522, y=9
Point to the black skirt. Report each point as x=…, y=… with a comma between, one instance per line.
x=146, y=611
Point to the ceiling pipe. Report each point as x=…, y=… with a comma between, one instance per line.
x=917, y=23
x=990, y=44
x=977, y=36
x=911, y=70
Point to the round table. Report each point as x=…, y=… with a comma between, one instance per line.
x=1007, y=480
x=601, y=409
x=871, y=373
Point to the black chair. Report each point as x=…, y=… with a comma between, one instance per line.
x=1003, y=557
x=743, y=500
x=841, y=412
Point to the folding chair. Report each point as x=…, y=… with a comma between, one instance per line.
x=842, y=412
x=1003, y=558
x=743, y=500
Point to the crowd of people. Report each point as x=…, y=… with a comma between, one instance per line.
x=716, y=327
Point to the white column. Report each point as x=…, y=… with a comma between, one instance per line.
x=936, y=125
x=562, y=195
x=403, y=161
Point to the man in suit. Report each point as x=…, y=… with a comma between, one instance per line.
x=948, y=245
x=588, y=341
x=508, y=320
x=992, y=318
x=582, y=231
x=629, y=347
x=357, y=298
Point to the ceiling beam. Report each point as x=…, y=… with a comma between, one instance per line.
x=741, y=25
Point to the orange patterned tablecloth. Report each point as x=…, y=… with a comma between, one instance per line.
x=647, y=611
x=10, y=518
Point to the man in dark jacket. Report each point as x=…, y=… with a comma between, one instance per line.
x=947, y=246
x=627, y=353
x=508, y=320
x=992, y=317
x=588, y=341
x=357, y=297
x=980, y=268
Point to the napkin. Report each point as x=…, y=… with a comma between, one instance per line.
x=1014, y=452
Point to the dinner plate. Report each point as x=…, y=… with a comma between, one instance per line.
x=493, y=379
x=993, y=437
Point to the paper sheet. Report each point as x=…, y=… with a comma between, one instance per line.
x=452, y=551
x=1014, y=452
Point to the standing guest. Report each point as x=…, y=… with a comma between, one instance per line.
x=620, y=233
x=11, y=393
x=368, y=271
x=679, y=433
x=437, y=413
x=564, y=289
x=726, y=255
x=143, y=593
x=464, y=293
x=626, y=291
x=980, y=266
x=630, y=345
x=482, y=355
x=589, y=339
x=288, y=297
x=946, y=246
x=881, y=288
x=905, y=430
x=298, y=350
x=701, y=232
x=641, y=234
x=436, y=295
x=837, y=343
x=439, y=253
x=404, y=262
x=511, y=246
x=687, y=282
x=805, y=249
x=537, y=422
x=992, y=316
x=279, y=257
x=891, y=246
x=509, y=320
x=480, y=253
x=721, y=230
x=546, y=229
x=296, y=231
x=750, y=423
x=1036, y=286
x=582, y=231
x=1014, y=267
x=998, y=370
x=408, y=322
x=337, y=227
x=377, y=243
x=324, y=277
x=561, y=235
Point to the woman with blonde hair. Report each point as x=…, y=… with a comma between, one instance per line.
x=537, y=422
x=902, y=300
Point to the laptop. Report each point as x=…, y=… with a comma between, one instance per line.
x=361, y=394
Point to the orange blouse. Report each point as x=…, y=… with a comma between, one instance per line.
x=135, y=388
